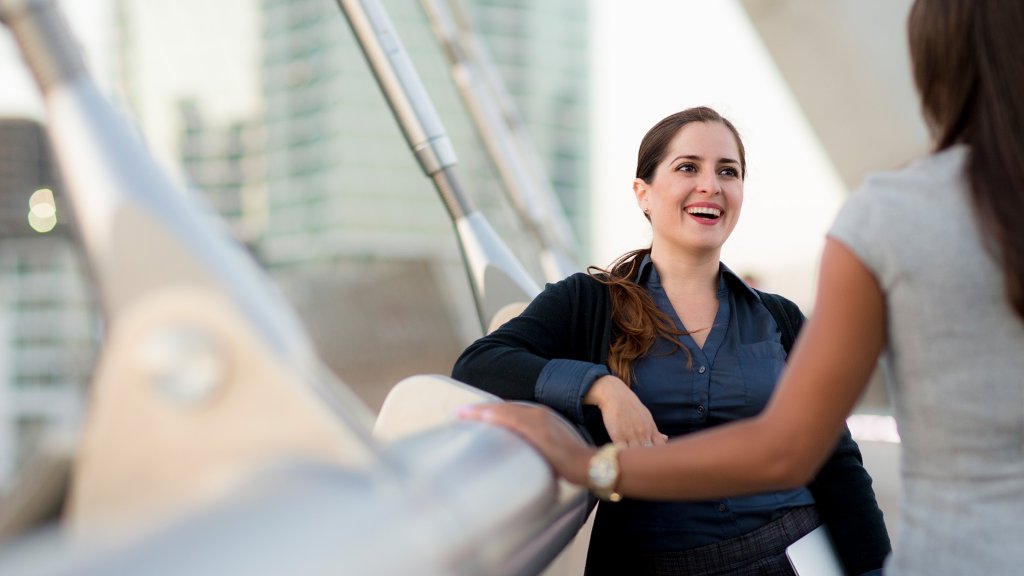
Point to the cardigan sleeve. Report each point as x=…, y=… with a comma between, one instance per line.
x=847, y=506
x=563, y=384
x=536, y=355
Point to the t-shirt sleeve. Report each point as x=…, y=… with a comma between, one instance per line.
x=859, y=226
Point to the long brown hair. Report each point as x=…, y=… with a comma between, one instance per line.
x=637, y=323
x=968, y=62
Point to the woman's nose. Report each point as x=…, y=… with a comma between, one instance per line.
x=708, y=183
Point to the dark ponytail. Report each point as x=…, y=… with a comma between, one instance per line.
x=968, y=59
x=636, y=320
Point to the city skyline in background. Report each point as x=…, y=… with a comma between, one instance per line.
x=270, y=112
x=294, y=145
x=649, y=58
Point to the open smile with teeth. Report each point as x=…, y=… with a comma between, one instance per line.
x=704, y=212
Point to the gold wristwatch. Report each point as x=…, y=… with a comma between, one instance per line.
x=603, y=473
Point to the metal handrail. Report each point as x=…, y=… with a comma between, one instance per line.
x=496, y=276
x=211, y=420
x=193, y=324
x=496, y=121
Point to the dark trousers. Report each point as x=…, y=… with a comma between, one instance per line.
x=761, y=552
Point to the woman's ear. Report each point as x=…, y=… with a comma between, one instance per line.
x=640, y=189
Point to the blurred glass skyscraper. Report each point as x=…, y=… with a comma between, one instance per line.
x=48, y=322
x=319, y=183
x=308, y=167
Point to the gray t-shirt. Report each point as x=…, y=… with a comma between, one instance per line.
x=954, y=366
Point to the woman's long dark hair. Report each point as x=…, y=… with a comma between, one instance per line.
x=636, y=320
x=968, y=62
x=637, y=323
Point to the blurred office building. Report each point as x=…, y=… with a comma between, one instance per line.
x=48, y=322
x=315, y=177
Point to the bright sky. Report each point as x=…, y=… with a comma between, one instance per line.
x=18, y=96
x=91, y=22
x=650, y=58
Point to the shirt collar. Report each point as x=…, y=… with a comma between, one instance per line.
x=738, y=283
x=728, y=276
x=644, y=271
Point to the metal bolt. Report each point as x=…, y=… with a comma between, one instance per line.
x=183, y=363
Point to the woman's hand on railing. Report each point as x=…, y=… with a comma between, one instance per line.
x=541, y=427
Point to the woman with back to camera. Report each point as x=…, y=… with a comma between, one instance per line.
x=924, y=268
x=669, y=341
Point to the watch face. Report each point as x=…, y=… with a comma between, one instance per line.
x=602, y=473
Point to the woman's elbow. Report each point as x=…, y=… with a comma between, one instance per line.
x=788, y=464
x=790, y=473
x=467, y=367
x=460, y=371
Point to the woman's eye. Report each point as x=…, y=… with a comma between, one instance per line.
x=731, y=172
x=687, y=167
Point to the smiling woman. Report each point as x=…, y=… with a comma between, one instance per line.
x=691, y=188
x=788, y=165
x=666, y=342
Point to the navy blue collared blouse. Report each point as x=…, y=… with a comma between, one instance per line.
x=730, y=378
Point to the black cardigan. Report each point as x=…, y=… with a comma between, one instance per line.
x=572, y=319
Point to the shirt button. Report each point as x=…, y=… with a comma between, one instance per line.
x=701, y=410
x=701, y=370
x=721, y=507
